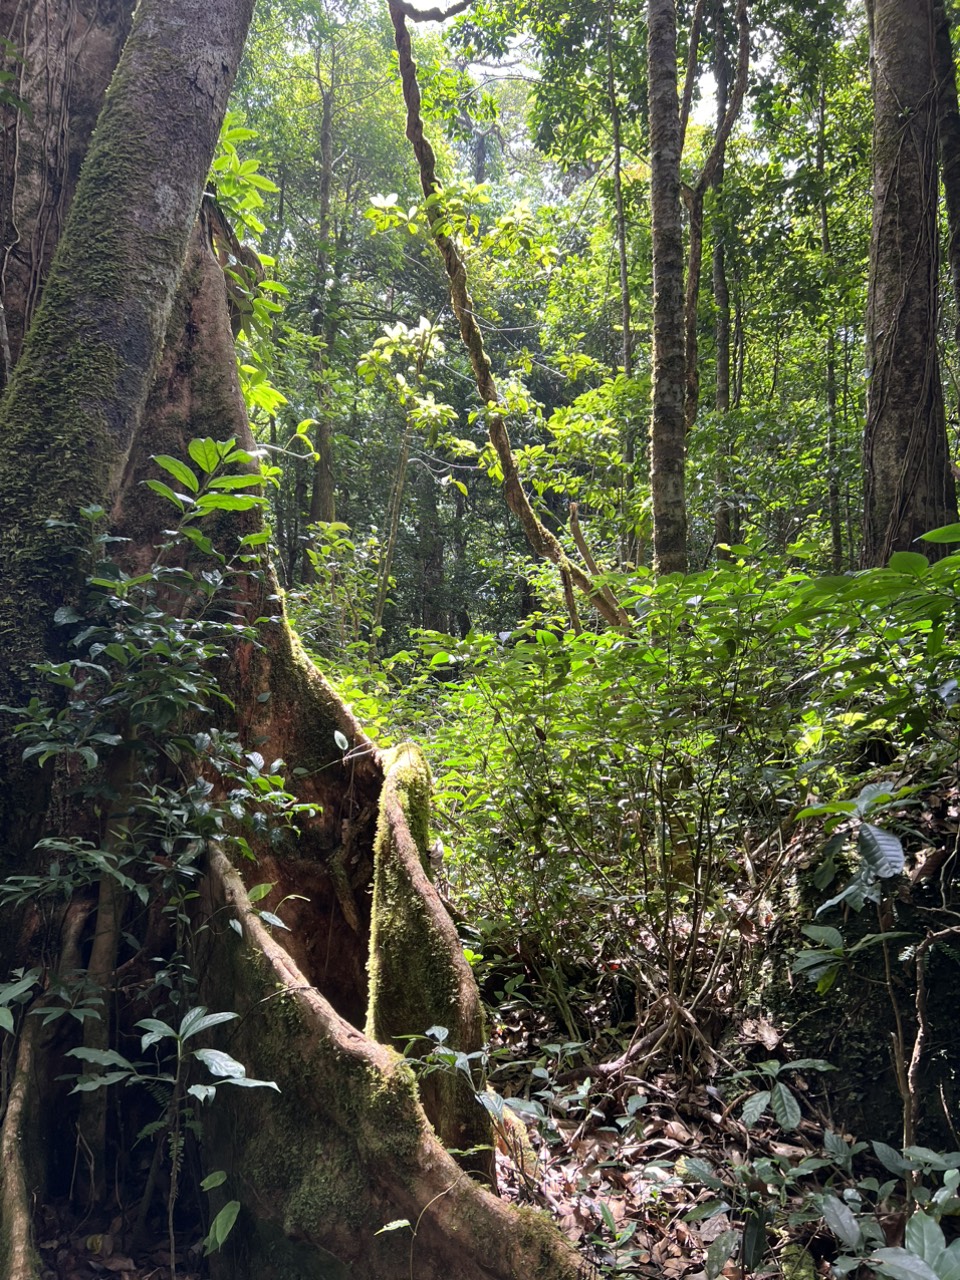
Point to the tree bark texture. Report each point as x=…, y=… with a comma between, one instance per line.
x=77, y=392
x=667, y=429
x=68, y=52
x=948, y=135
x=908, y=484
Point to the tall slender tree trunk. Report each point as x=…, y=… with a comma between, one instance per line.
x=322, y=493
x=696, y=195
x=721, y=302
x=667, y=428
x=908, y=484
x=830, y=371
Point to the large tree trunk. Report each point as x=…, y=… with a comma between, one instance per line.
x=130, y=355
x=908, y=484
x=667, y=429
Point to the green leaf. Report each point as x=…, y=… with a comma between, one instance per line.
x=880, y=850
x=221, y=1227
x=754, y=1107
x=913, y=562
x=784, y=1106
x=213, y=1180
x=6, y=1019
x=165, y=491
x=719, y=1253
x=179, y=470
x=946, y=533
x=206, y=453
x=891, y=1159
x=196, y=1020
x=396, y=1225
x=840, y=1220
x=947, y=1265
x=102, y=1057
x=228, y=502
x=236, y=482
x=924, y=1237
x=221, y=1064
x=273, y=919
x=829, y=937
x=259, y=891
x=901, y=1265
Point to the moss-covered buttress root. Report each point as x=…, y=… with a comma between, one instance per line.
x=345, y=1147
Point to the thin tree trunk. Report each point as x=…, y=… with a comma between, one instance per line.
x=695, y=201
x=826, y=249
x=322, y=493
x=721, y=301
x=667, y=429
x=908, y=484
x=626, y=345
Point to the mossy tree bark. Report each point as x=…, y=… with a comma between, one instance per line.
x=130, y=354
x=908, y=484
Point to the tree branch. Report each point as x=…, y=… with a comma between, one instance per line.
x=541, y=540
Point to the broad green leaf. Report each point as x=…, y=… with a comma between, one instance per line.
x=259, y=891
x=179, y=470
x=719, y=1253
x=909, y=562
x=245, y=1082
x=228, y=502
x=891, y=1159
x=840, y=1220
x=754, y=1108
x=213, y=1180
x=784, y=1106
x=236, y=482
x=829, y=937
x=89, y=1084
x=165, y=491
x=946, y=533
x=901, y=1264
x=205, y=453
x=221, y=1064
x=196, y=1020
x=102, y=1057
x=924, y=1237
x=947, y=1265
x=880, y=850
x=273, y=919
x=6, y=1019
x=939, y=1160
x=221, y=1227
